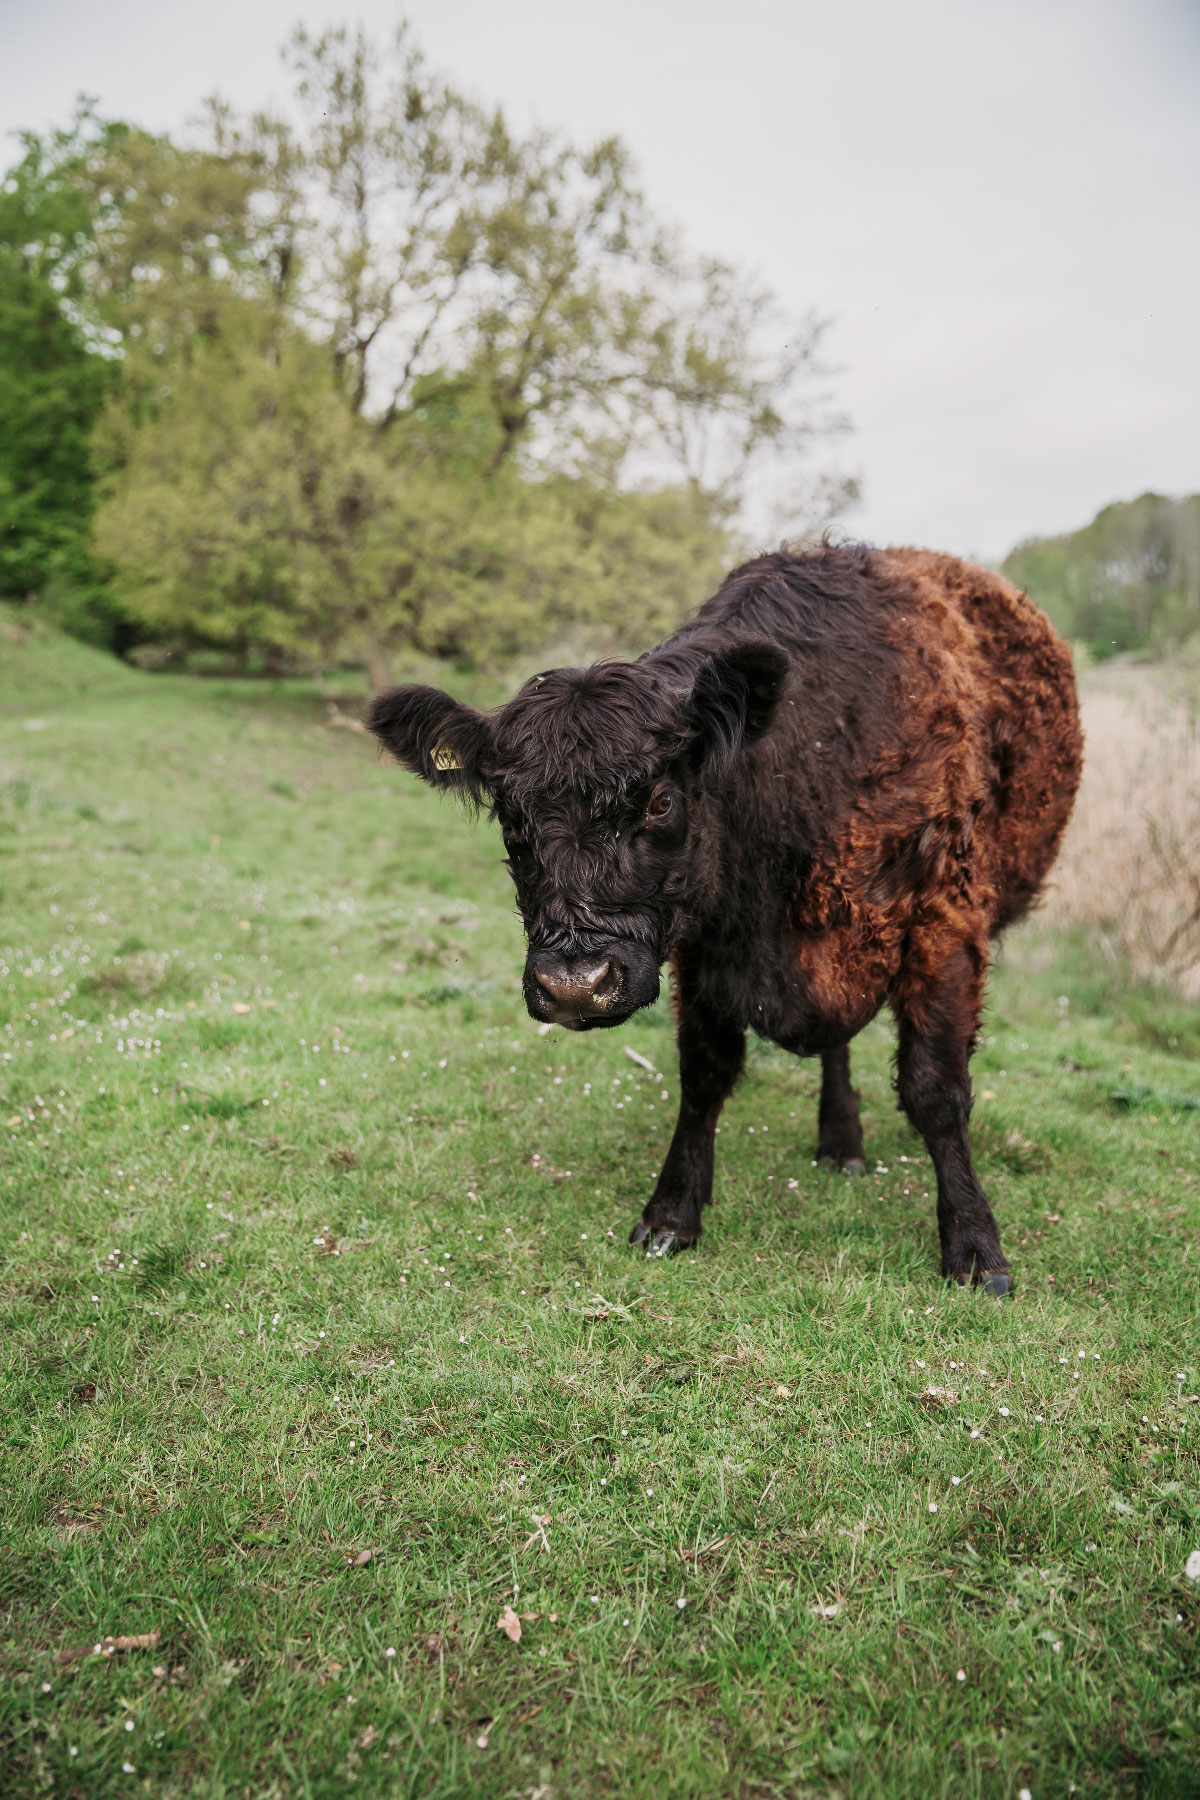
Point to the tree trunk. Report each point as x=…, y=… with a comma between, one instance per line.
x=379, y=672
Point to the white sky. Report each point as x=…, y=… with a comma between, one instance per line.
x=997, y=200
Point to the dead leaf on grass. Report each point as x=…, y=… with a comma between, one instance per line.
x=540, y=1520
x=110, y=1646
x=328, y=1245
x=708, y=1550
x=510, y=1625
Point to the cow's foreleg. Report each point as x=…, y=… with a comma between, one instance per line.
x=839, y=1130
x=711, y=1054
x=938, y=1018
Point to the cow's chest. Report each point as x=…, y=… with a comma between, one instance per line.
x=806, y=990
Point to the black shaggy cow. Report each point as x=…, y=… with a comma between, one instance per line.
x=829, y=790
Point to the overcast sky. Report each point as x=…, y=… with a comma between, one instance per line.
x=995, y=200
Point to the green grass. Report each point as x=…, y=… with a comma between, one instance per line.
x=293, y=1269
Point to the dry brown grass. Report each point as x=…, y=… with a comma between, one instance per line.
x=1130, y=866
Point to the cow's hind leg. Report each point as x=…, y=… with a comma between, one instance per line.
x=938, y=1018
x=839, y=1129
x=711, y=1054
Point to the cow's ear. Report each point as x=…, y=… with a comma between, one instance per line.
x=734, y=699
x=436, y=737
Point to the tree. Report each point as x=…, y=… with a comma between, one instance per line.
x=258, y=511
x=119, y=251
x=404, y=378
x=1129, y=580
x=430, y=224
x=55, y=369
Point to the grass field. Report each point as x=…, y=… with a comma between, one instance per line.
x=323, y=1345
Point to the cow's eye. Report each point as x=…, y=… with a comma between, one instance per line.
x=659, y=806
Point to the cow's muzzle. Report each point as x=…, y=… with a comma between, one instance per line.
x=602, y=987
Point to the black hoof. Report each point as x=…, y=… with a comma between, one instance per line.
x=997, y=1284
x=854, y=1165
x=658, y=1240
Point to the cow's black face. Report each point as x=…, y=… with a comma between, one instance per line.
x=589, y=779
x=602, y=885
x=599, y=779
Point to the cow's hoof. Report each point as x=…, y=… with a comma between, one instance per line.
x=854, y=1165
x=996, y=1283
x=658, y=1240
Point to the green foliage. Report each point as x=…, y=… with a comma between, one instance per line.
x=119, y=253
x=394, y=378
x=223, y=502
x=54, y=373
x=257, y=510
x=1128, y=581
x=247, y=1343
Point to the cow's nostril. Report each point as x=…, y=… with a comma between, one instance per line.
x=603, y=981
x=551, y=981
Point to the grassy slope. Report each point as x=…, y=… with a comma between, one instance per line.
x=257, y=999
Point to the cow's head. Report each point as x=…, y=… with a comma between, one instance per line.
x=599, y=778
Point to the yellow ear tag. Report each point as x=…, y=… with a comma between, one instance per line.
x=444, y=758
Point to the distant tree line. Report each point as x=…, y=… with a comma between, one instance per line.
x=1129, y=581
x=379, y=375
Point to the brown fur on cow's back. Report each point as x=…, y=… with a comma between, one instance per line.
x=921, y=766
x=1014, y=681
